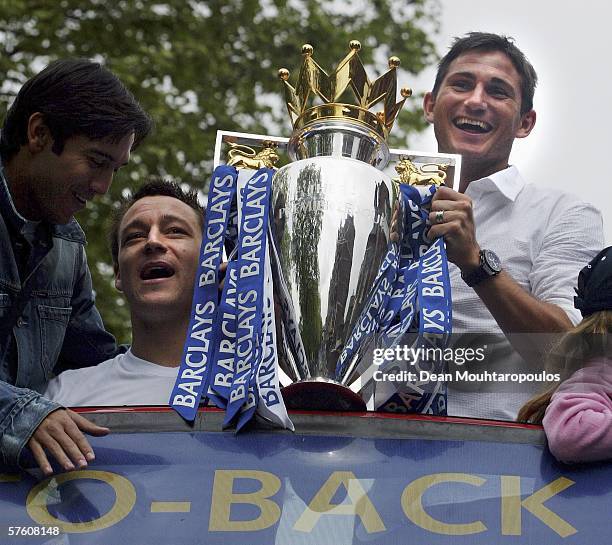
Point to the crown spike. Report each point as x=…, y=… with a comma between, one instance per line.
x=307, y=50
x=294, y=104
x=350, y=72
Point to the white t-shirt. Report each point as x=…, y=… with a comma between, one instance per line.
x=543, y=238
x=123, y=380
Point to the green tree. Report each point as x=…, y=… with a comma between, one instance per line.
x=201, y=66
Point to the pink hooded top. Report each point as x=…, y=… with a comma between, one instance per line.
x=578, y=421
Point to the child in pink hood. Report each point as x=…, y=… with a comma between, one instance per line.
x=577, y=414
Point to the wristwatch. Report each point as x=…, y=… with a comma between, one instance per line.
x=490, y=265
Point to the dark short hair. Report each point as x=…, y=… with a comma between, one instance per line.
x=486, y=41
x=75, y=97
x=153, y=188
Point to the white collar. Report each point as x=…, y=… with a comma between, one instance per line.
x=508, y=182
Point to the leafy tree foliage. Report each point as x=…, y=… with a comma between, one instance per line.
x=199, y=66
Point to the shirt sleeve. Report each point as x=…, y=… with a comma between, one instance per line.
x=55, y=388
x=573, y=237
x=578, y=421
x=70, y=388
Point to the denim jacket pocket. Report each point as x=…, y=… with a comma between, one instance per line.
x=54, y=321
x=5, y=304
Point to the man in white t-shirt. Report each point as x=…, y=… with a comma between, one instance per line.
x=515, y=248
x=155, y=243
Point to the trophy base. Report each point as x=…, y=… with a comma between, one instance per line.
x=321, y=395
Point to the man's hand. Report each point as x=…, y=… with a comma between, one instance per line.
x=60, y=434
x=452, y=217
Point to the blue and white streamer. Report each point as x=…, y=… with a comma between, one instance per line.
x=231, y=336
x=198, y=351
x=252, y=238
x=410, y=304
x=270, y=405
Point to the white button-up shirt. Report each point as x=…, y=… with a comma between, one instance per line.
x=543, y=238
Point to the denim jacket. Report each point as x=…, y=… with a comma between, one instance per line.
x=48, y=317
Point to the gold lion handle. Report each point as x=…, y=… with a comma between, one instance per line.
x=411, y=174
x=241, y=156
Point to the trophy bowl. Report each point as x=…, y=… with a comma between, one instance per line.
x=332, y=215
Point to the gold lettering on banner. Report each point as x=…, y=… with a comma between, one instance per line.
x=10, y=477
x=510, y=505
x=223, y=497
x=360, y=504
x=535, y=505
x=412, y=504
x=125, y=498
x=170, y=506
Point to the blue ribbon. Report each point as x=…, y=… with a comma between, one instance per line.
x=226, y=356
x=198, y=351
x=252, y=240
x=412, y=293
x=223, y=364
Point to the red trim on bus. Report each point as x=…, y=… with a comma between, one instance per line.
x=392, y=416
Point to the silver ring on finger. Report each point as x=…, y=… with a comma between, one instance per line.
x=440, y=216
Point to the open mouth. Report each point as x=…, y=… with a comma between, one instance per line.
x=154, y=271
x=474, y=126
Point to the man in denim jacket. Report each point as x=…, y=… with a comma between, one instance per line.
x=69, y=129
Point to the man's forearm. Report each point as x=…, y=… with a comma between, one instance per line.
x=526, y=321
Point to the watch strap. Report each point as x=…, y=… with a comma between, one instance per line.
x=482, y=272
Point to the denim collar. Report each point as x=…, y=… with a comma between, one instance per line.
x=71, y=231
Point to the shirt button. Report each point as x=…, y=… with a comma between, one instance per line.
x=21, y=322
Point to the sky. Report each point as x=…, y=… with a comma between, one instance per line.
x=570, y=46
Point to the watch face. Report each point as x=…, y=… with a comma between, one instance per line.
x=492, y=261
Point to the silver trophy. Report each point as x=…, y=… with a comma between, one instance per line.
x=334, y=216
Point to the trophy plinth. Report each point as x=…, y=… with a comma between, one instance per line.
x=321, y=394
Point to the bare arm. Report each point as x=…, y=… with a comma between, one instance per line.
x=516, y=311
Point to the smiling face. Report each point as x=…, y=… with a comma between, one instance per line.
x=477, y=111
x=159, y=245
x=55, y=187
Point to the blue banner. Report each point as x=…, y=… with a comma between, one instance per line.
x=218, y=488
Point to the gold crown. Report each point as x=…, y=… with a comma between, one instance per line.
x=350, y=72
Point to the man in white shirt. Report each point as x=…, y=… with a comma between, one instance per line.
x=155, y=242
x=516, y=248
